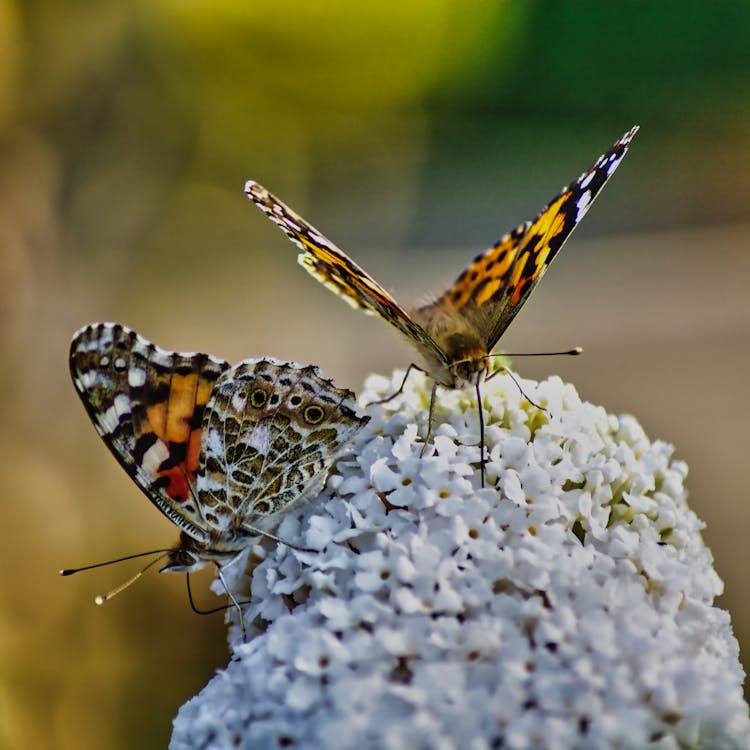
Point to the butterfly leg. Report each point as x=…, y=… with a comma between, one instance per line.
x=400, y=390
x=233, y=601
x=428, y=437
x=481, y=428
x=507, y=372
x=254, y=530
x=194, y=607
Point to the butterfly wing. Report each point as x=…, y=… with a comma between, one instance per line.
x=271, y=432
x=335, y=270
x=492, y=289
x=147, y=404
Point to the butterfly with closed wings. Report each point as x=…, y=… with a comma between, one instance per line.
x=221, y=450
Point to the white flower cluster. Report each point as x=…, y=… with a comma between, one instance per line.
x=568, y=605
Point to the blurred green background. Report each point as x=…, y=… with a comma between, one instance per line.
x=413, y=134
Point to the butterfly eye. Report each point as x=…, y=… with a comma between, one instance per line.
x=258, y=398
x=313, y=414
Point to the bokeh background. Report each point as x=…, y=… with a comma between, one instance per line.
x=414, y=134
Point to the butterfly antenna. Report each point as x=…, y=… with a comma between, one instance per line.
x=518, y=385
x=574, y=352
x=101, y=598
x=70, y=571
x=569, y=353
x=234, y=602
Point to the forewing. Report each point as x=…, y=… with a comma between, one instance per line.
x=335, y=270
x=147, y=404
x=271, y=431
x=492, y=289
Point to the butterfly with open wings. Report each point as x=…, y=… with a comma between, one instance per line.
x=455, y=334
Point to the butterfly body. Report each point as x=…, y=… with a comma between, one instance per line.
x=460, y=351
x=221, y=450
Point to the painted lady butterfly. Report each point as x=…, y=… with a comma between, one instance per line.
x=221, y=450
x=456, y=333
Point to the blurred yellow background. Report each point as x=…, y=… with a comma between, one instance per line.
x=414, y=135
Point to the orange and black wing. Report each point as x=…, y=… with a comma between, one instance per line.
x=335, y=270
x=147, y=404
x=493, y=288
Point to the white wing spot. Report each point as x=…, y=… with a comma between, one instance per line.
x=259, y=439
x=614, y=164
x=583, y=203
x=110, y=418
x=210, y=485
x=136, y=377
x=586, y=181
x=122, y=403
x=163, y=357
x=321, y=240
x=239, y=402
x=87, y=379
x=214, y=443
x=154, y=457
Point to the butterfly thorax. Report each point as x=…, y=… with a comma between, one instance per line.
x=465, y=352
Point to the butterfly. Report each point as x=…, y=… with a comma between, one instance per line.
x=221, y=450
x=456, y=333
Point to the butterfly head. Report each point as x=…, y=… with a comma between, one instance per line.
x=464, y=368
x=190, y=555
x=471, y=365
x=465, y=356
